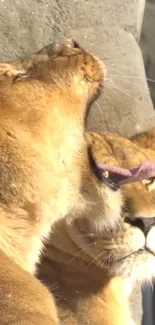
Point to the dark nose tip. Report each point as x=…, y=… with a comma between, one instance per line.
x=75, y=44
x=144, y=223
x=64, y=46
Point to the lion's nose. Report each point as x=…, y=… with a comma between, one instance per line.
x=75, y=44
x=66, y=45
x=144, y=223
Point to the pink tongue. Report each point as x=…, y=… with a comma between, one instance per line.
x=125, y=176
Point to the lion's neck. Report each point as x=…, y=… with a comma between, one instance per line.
x=94, y=210
x=97, y=299
x=21, y=239
x=23, y=231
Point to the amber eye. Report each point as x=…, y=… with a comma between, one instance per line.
x=106, y=174
x=150, y=184
x=20, y=76
x=87, y=78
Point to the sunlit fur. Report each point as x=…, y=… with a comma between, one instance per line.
x=43, y=103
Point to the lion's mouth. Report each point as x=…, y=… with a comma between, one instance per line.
x=140, y=250
x=114, y=177
x=135, y=253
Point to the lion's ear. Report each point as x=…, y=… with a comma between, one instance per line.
x=45, y=53
x=47, y=50
x=55, y=48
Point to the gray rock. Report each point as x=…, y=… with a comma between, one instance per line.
x=136, y=305
x=147, y=44
x=125, y=105
x=27, y=25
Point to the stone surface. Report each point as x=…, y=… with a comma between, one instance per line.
x=127, y=109
x=125, y=105
x=136, y=305
x=147, y=43
x=28, y=25
x=148, y=305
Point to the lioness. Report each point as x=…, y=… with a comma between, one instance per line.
x=44, y=100
x=91, y=263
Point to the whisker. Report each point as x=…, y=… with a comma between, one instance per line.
x=115, y=69
x=84, y=235
x=95, y=259
x=101, y=259
x=124, y=91
x=115, y=57
x=79, y=252
x=100, y=109
x=133, y=77
x=129, y=82
x=121, y=66
x=55, y=285
x=112, y=90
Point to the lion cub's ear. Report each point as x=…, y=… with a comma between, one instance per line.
x=10, y=71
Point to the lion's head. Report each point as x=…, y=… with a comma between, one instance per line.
x=57, y=77
x=94, y=256
x=127, y=246
x=44, y=100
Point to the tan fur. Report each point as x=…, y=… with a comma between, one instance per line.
x=91, y=263
x=43, y=103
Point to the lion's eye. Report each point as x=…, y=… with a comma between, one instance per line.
x=149, y=183
x=20, y=76
x=106, y=174
x=87, y=79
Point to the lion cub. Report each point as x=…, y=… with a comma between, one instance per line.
x=43, y=103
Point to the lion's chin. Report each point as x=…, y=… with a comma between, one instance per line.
x=139, y=266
